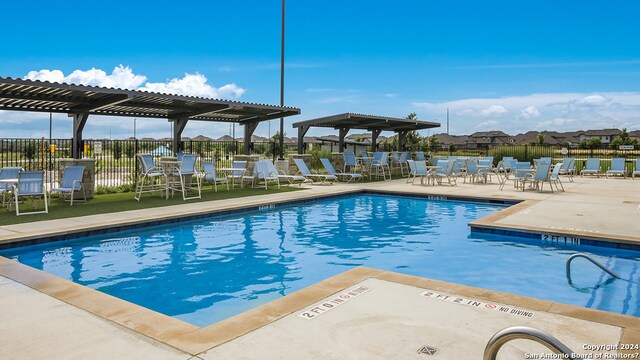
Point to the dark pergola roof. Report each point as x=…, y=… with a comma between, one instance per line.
x=367, y=122
x=374, y=123
x=80, y=101
x=30, y=95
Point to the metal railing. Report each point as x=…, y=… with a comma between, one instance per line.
x=527, y=333
x=593, y=261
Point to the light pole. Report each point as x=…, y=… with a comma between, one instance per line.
x=282, y=84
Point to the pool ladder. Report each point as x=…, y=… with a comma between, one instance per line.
x=524, y=332
x=594, y=261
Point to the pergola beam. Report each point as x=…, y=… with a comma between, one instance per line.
x=374, y=139
x=302, y=131
x=178, y=127
x=102, y=103
x=249, y=128
x=343, y=133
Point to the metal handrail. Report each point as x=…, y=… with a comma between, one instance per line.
x=524, y=332
x=594, y=261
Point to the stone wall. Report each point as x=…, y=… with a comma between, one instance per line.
x=293, y=169
x=337, y=159
x=250, y=159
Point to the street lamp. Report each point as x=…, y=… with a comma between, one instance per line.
x=282, y=84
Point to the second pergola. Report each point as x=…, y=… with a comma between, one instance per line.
x=376, y=124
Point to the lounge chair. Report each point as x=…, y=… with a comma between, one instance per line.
x=412, y=170
x=303, y=170
x=187, y=176
x=379, y=162
x=617, y=168
x=151, y=178
x=554, y=178
x=30, y=184
x=637, y=170
x=506, y=163
x=420, y=156
x=332, y=171
x=71, y=182
x=593, y=167
x=210, y=174
x=290, y=179
x=404, y=156
x=8, y=173
x=568, y=168
x=261, y=172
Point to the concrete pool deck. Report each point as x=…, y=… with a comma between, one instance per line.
x=43, y=316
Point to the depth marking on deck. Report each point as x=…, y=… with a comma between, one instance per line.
x=313, y=312
x=478, y=304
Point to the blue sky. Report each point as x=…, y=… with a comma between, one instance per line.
x=508, y=65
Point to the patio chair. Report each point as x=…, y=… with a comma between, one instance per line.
x=210, y=174
x=404, y=156
x=420, y=156
x=420, y=171
x=506, y=163
x=444, y=171
x=637, y=170
x=395, y=159
x=70, y=183
x=238, y=174
x=303, y=170
x=412, y=170
x=262, y=173
x=30, y=184
x=332, y=171
x=150, y=177
x=188, y=176
x=379, y=162
x=522, y=173
x=554, y=178
x=617, y=168
x=568, y=168
x=7, y=175
x=366, y=159
x=474, y=173
x=501, y=173
x=282, y=176
x=540, y=176
x=593, y=167
x=349, y=160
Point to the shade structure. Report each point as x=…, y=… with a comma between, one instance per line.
x=80, y=101
x=374, y=123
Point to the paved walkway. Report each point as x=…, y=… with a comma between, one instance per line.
x=36, y=324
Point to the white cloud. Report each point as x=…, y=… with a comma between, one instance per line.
x=556, y=111
x=530, y=112
x=487, y=124
x=122, y=77
x=391, y=95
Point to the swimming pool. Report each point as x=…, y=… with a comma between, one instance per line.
x=206, y=270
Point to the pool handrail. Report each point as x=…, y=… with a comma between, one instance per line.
x=527, y=333
x=593, y=261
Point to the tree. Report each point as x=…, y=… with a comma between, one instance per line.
x=593, y=143
x=117, y=150
x=623, y=139
x=433, y=143
x=540, y=139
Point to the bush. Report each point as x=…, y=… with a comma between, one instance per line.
x=113, y=189
x=316, y=155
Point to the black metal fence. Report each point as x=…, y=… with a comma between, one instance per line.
x=116, y=165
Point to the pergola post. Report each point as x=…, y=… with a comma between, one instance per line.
x=343, y=134
x=401, y=139
x=249, y=128
x=374, y=139
x=302, y=131
x=79, y=120
x=178, y=127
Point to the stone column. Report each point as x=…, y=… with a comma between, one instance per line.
x=337, y=159
x=293, y=169
x=250, y=159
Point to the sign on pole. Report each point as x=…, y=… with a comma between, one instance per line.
x=97, y=147
x=625, y=147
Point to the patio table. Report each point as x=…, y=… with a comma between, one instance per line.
x=8, y=181
x=169, y=165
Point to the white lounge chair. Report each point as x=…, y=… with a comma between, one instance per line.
x=151, y=178
x=30, y=184
x=303, y=170
x=593, y=167
x=261, y=172
x=332, y=171
x=617, y=168
x=210, y=174
x=290, y=179
x=70, y=183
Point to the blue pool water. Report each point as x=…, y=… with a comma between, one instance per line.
x=207, y=270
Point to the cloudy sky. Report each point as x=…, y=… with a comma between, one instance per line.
x=512, y=66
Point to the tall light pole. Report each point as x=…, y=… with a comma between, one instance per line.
x=282, y=85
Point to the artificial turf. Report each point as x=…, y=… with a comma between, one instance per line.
x=110, y=203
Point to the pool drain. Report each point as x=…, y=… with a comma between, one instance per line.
x=428, y=350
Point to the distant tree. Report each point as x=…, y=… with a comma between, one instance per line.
x=623, y=139
x=29, y=150
x=116, y=150
x=433, y=143
x=593, y=143
x=540, y=139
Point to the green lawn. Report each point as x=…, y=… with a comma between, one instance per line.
x=102, y=204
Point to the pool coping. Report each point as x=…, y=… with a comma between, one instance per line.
x=194, y=340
